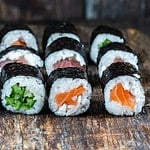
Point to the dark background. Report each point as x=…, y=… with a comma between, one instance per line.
x=45, y=10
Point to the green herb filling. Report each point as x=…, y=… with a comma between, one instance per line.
x=20, y=97
x=106, y=42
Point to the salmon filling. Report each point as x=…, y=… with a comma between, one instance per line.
x=70, y=97
x=122, y=96
x=19, y=42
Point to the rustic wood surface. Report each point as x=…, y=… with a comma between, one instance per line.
x=96, y=129
x=35, y=10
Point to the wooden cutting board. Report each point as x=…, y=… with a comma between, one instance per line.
x=96, y=129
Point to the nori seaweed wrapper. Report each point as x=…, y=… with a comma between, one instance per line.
x=65, y=73
x=17, y=47
x=66, y=43
x=10, y=27
x=15, y=69
x=117, y=69
x=105, y=29
x=57, y=27
x=116, y=47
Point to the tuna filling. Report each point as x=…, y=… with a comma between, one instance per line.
x=118, y=59
x=68, y=62
x=19, y=60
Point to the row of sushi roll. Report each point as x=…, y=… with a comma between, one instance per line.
x=22, y=82
x=68, y=89
x=118, y=70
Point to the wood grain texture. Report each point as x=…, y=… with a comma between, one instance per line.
x=96, y=129
x=115, y=9
x=37, y=10
x=147, y=8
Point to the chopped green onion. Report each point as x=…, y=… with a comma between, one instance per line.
x=20, y=97
x=106, y=42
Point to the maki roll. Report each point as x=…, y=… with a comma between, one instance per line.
x=101, y=36
x=123, y=92
x=57, y=30
x=65, y=52
x=115, y=52
x=20, y=54
x=23, y=90
x=69, y=91
x=17, y=34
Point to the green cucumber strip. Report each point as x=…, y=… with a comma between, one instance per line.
x=106, y=42
x=20, y=98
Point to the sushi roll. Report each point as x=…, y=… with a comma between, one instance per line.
x=123, y=92
x=17, y=34
x=101, y=36
x=115, y=52
x=65, y=52
x=69, y=91
x=20, y=54
x=23, y=90
x=57, y=30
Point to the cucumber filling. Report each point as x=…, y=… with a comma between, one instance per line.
x=106, y=42
x=20, y=98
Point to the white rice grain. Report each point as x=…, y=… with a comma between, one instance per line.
x=14, y=35
x=34, y=85
x=131, y=84
x=56, y=36
x=64, y=85
x=108, y=58
x=100, y=39
x=61, y=55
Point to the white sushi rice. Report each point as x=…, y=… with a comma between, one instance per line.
x=100, y=39
x=14, y=35
x=56, y=36
x=64, y=85
x=129, y=83
x=61, y=55
x=108, y=58
x=34, y=85
x=31, y=58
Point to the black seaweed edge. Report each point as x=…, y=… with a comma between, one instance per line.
x=12, y=26
x=116, y=70
x=105, y=29
x=65, y=73
x=57, y=27
x=16, y=47
x=67, y=43
x=15, y=69
x=116, y=47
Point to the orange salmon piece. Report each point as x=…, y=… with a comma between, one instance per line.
x=19, y=42
x=122, y=96
x=69, y=98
